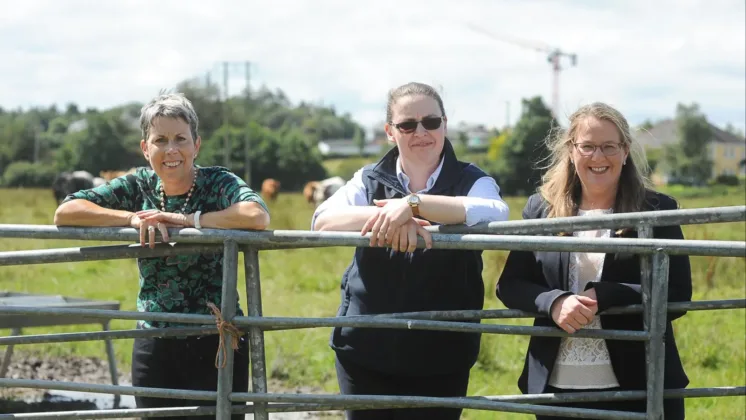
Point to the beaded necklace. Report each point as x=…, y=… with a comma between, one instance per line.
x=189, y=195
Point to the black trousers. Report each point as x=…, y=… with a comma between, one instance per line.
x=673, y=408
x=357, y=380
x=184, y=363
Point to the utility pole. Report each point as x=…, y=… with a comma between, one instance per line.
x=37, y=146
x=507, y=114
x=247, y=140
x=227, y=139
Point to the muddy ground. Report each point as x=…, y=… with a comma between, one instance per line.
x=93, y=370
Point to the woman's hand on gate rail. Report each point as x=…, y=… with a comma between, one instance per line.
x=405, y=237
x=147, y=221
x=573, y=312
x=393, y=214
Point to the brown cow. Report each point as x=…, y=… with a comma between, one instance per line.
x=318, y=191
x=270, y=189
x=309, y=191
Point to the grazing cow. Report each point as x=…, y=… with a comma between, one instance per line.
x=322, y=190
x=69, y=182
x=309, y=191
x=270, y=189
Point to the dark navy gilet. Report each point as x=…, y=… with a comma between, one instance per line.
x=378, y=282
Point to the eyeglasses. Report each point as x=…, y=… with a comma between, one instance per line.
x=428, y=123
x=588, y=149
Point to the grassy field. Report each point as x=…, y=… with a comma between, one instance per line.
x=306, y=283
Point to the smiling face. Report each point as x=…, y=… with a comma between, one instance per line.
x=599, y=171
x=171, y=150
x=421, y=146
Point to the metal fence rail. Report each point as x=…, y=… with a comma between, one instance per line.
x=516, y=235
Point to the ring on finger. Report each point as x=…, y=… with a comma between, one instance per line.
x=151, y=228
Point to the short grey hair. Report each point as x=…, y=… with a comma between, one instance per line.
x=171, y=105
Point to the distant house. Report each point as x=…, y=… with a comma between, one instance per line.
x=347, y=147
x=130, y=115
x=478, y=136
x=726, y=150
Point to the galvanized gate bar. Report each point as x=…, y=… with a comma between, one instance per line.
x=657, y=324
x=707, y=215
x=112, y=362
x=424, y=315
x=206, y=411
x=288, y=322
x=256, y=335
x=613, y=221
x=646, y=282
x=106, y=335
x=417, y=324
x=473, y=315
x=380, y=401
x=440, y=241
x=105, y=252
x=138, y=391
x=228, y=302
x=654, y=308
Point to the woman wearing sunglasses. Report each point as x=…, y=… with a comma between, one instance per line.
x=417, y=183
x=596, y=168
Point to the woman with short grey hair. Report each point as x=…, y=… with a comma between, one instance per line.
x=173, y=192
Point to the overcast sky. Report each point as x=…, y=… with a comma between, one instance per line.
x=643, y=56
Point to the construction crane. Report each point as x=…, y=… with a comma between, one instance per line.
x=553, y=57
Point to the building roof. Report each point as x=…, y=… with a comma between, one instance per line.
x=666, y=132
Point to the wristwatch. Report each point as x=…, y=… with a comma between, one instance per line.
x=414, y=203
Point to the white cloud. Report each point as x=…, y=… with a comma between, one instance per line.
x=642, y=56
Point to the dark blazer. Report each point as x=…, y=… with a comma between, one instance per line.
x=531, y=281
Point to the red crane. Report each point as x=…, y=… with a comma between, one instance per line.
x=553, y=57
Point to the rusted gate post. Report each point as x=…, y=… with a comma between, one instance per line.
x=228, y=310
x=256, y=335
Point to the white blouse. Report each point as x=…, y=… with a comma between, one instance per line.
x=583, y=363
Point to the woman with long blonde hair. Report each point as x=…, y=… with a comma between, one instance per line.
x=595, y=167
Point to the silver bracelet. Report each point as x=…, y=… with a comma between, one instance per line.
x=196, y=219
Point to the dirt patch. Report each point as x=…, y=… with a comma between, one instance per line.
x=72, y=368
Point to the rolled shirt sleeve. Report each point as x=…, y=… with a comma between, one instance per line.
x=351, y=194
x=483, y=203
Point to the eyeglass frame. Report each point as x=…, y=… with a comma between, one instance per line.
x=618, y=147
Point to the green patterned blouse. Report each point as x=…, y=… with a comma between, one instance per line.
x=184, y=283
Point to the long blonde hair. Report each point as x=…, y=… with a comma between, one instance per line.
x=561, y=187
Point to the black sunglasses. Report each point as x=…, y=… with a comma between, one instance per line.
x=428, y=123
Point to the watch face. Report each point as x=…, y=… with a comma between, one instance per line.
x=413, y=200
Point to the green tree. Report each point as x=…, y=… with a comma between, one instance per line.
x=689, y=161
x=733, y=130
x=518, y=165
x=496, y=145
x=107, y=142
x=646, y=125
x=359, y=140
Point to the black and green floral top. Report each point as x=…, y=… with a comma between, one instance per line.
x=184, y=283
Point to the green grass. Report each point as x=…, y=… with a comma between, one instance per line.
x=306, y=283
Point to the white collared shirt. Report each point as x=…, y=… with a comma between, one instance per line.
x=482, y=204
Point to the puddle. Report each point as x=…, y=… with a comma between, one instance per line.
x=56, y=400
x=99, y=401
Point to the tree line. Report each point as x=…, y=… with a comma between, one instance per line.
x=265, y=134
x=261, y=134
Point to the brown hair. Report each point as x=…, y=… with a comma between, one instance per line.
x=412, y=88
x=561, y=187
